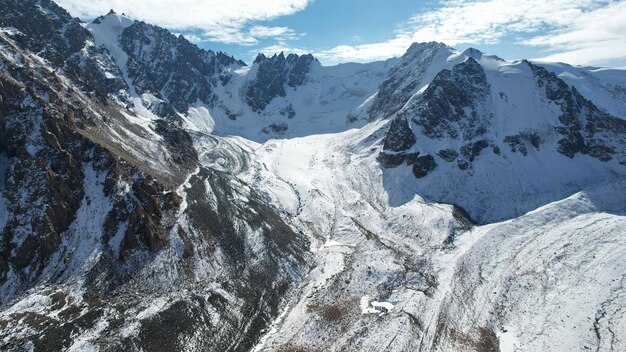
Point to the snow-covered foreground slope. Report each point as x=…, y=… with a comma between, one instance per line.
x=420, y=276
x=552, y=279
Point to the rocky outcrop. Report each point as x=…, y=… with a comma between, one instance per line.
x=400, y=137
x=584, y=127
x=404, y=79
x=48, y=30
x=274, y=75
x=452, y=103
x=518, y=142
x=423, y=165
x=171, y=68
x=45, y=28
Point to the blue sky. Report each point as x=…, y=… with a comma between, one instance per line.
x=585, y=32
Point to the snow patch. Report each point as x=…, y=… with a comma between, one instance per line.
x=508, y=340
x=375, y=307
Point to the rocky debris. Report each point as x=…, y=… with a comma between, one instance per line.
x=403, y=79
x=274, y=75
x=178, y=142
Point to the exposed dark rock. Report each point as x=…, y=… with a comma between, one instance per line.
x=472, y=150
x=289, y=111
x=274, y=74
x=403, y=79
x=178, y=142
x=532, y=137
x=584, y=126
x=423, y=165
x=300, y=67
x=277, y=128
x=442, y=110
x=400, y=136
x=516, y=142
x=388, y=160
x=463, y=164
x=464, y=219
x=48, y=29
x=171, y=68
x=448, y=155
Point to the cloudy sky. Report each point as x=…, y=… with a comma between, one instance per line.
x=585, y=32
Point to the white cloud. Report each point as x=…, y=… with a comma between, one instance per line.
x=595, y=37
x=365, y=52
x=217, y=20
x=279, y=33
x=577, y=31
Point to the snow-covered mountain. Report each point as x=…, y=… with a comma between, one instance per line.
x=161, y=197
x=484, y=131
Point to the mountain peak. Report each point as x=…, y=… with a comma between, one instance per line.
x=112, y=19
x=421, y=46
x=473, y=53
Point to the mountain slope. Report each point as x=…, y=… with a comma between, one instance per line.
x=487, y=130
x=276, y=97
x=111, y=228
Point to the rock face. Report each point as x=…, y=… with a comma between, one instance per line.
x=584, y=128
x=171, y=68
x=274, y=75
x=400, y=136
x=469, y=118
x=452, y=103
x=454, y=106
x=46, y=28
x=404, y=79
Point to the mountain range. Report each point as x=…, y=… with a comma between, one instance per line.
x=156, y=196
